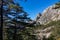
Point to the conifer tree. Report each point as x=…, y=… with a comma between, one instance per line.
x=13, y=11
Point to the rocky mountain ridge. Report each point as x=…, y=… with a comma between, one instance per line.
x=51, y=13
x=50, y=19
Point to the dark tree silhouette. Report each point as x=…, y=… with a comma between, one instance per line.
x=15, y=21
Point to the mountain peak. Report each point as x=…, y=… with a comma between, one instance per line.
x=52, y=13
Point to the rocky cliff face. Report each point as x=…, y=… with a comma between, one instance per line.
x=51, y=13
x=51, y=17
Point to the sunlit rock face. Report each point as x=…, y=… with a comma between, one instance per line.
x=49, y=14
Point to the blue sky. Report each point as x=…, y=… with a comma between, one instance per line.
x=33, y=7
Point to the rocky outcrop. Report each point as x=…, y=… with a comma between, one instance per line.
x=51, y=13
x=41, y=33
x=38, y=16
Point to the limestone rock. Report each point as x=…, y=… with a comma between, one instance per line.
x=49, y=14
